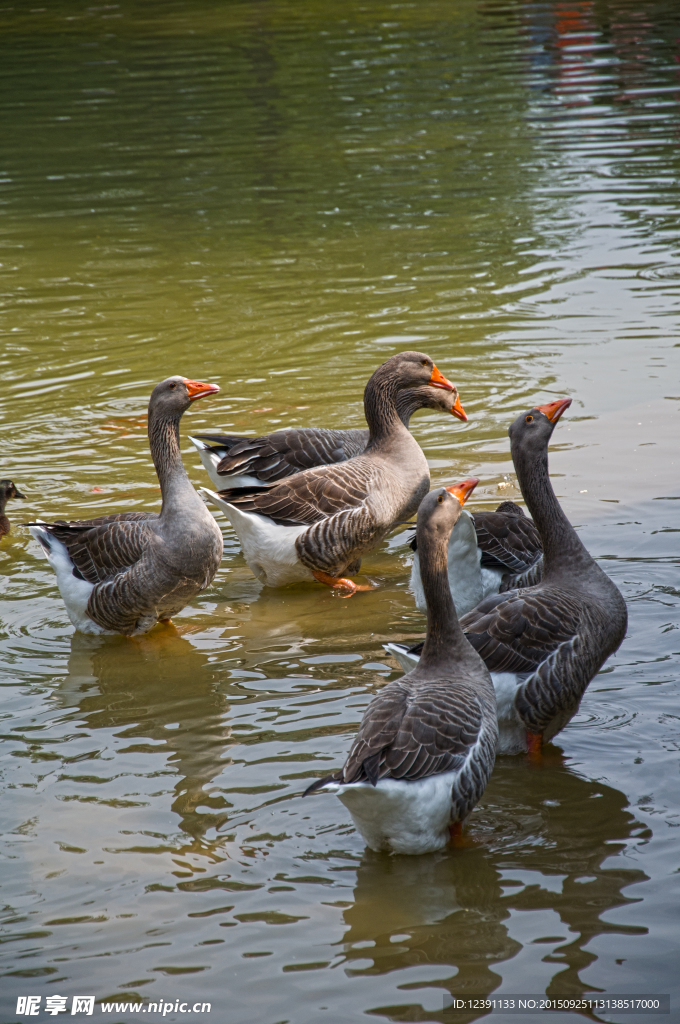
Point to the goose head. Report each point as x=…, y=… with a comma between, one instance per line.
x=463, y=489
x=439, y=512
x=8, y=490
x=413, y=377
x=531, y=432
x=173, y=396
x=462, y=492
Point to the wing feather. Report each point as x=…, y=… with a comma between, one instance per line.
x=413, y=731
x=506, y=540
x=310, y=497
x=283, y=453
x=517, y=630
x=104, y=547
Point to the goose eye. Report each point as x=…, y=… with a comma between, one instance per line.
x=423, y=362
x=440, y=499
x=173, y=385
x=529, y=419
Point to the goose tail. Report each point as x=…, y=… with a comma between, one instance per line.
x=199, y=445
x=406, y=658
x=210, y=460
x=331, y=784
x=215, y=499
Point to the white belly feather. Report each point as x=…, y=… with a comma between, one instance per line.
x=512, y=734
x=398, y=816
x=268, y=548
x=75, y=592
x=465, y=575
x=491, y=581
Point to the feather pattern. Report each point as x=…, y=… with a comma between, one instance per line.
x=517, y=581
x=507, y=538
x=233, y=461
x=90, y=547
x=308, y=498
x=412, y=730
x=275, y=456
x=554, y=634
x=515, y=631
x=120, y=573
x=426, y=744
x=323, y=520
x=486, y=549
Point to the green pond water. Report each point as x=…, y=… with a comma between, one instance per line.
x=277, y=196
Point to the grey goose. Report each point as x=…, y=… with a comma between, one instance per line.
x=319, y=523
x=122, y=573
x=427, y=742
x=543, y=643
x=235, y=461
x=488, y=552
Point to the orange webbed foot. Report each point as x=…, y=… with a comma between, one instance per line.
x=459, y=840
x=534, y=746
x=341, y=582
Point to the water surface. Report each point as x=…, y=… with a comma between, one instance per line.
x=277, y=197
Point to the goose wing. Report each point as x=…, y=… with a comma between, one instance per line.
x=516, y=581
x=516, y=631
x=310, y=497
x=283, y=453
x=507, y=540
x=102, y=548
x=412, y=732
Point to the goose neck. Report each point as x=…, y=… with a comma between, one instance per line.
x=445, y=641
x=167, y=460
x=562, y=547
x=381, y=409
x=409, y=400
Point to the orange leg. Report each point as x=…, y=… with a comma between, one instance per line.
x=339, y=581
x=458, y=839
x=534, y=745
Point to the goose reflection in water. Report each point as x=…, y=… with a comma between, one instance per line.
x=534, y=830
x=157, y=687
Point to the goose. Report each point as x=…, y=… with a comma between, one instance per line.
x=543, y=643
x=319, y=523
x=8, y=490
x=234, y=461
x=487, y=551
x=124, y=572
x=427, y=742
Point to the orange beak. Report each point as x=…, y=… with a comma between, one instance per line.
x=438, y=380
x=198, y=390
x=458, y=410
x=553, y=410
x=464, y=489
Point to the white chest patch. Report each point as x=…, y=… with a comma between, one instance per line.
x=401, y=817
